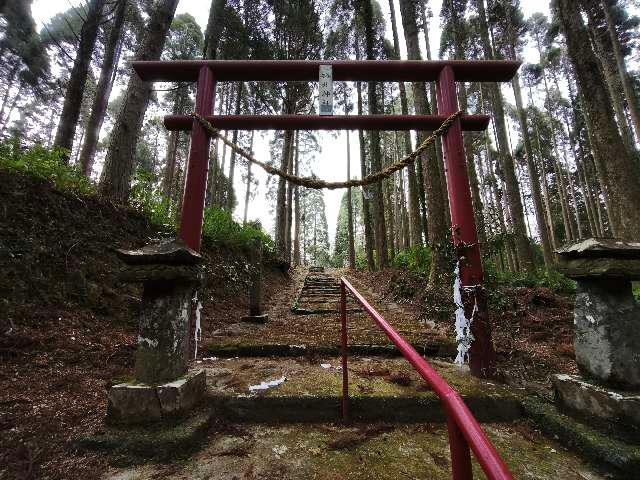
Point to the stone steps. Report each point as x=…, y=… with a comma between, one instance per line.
x=386, y=396
x=283, y=350
x=320, y=294
x=286, y=409
x=380, y=390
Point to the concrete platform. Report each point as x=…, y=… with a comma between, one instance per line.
x=576, y=394
x=309, y=390
x=620, y=456
x=137, y=403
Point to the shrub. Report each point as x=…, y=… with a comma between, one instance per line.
x=415, y=259
x=148, y=199
x=44, y=163
x=551, y=279
x=220, y=228
x=361, y=259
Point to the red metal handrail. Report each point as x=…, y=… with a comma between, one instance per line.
x=464, y=430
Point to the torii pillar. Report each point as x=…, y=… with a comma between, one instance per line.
x=195, y=185
x=465, y=236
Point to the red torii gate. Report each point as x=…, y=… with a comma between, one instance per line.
x=446, y=73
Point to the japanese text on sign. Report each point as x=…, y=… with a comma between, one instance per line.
x=325, y=88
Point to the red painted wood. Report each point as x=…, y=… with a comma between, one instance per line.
x=460, y=455
x=307, y=70
x=463, y=225
x=198, y=165
x=344, y=341
x=462, y=215
x=336, y=122
x=457, y=411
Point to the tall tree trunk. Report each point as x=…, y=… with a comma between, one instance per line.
x=595, y=171
x=543, y=228
x=289, y=223
x=572, y=191
x=120, y=161
x=604, y=48
x=404, y=232
x=214, y=164
x=350, y=239
x=103, y=90
x=366, y=212
x=214, y=29
x=170, y=165
x=618, y=172
x=5, y=98
x=562, y=190
x=248, y=191
x=390, y=217
x=397, y=213
x=415, y=223
x=545, y=186
x=434, y=187
x=438, y=143
x=222, y=182
x=497, y=201
x=296, y=210
x=79, y=73
x=281, y=201
x=629, y=91
x=374, y=142
x=232, y=160
x=14, y=101
x=75, y=159
x=406, y=237
x=576, y=157
x=523, y=247
x=585, y=184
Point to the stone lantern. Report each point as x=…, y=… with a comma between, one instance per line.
x=607, y=330
x=163, y=387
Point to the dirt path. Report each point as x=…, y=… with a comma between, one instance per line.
x=313, y=329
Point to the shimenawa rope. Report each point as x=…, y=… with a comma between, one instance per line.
x=315, y=183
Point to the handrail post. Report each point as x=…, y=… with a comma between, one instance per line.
x=345, y=373
x=460, y=454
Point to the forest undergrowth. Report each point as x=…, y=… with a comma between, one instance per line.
x=531, y=313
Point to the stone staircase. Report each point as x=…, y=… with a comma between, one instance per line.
x=320, y=294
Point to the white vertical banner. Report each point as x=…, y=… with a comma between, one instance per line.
x=325, y=88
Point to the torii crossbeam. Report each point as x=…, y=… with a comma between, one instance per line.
x=446, y=73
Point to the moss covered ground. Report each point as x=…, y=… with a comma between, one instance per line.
x=329, y=451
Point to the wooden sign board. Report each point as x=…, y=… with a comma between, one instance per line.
x=325, y=88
